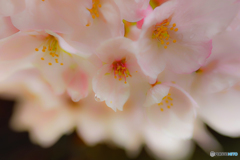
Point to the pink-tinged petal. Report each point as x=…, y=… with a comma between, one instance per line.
x=115, y=49
x=186, y=58
x=165, y=147
x=74, y=12
x=140, y=23
x=165, y=10
x=218, y=105
x=151, y=57
x=9, y=68
x=19, y=45
x=7, y=29
x=156, y=94
x=11, y=7
x=82, y=49
x=114, y=92
x=86, y=36
x=205, y=17
x=146, y=13
x=132, y=10
x=55, y=80
x=40, y=15
x=63, y=44
x=77, y=83
x=111, y=16
x=151, y=62
x=235, y=25
x=175, y=114
x=134, y=33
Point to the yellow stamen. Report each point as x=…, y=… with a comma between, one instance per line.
x=170, y=98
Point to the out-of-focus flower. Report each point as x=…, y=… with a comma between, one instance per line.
x=163, y=146
x=181, y=40
x=216, y=85
x=119, y=70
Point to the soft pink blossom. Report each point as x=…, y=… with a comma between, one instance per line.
x=177, y=35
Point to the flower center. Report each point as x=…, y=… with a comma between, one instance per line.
x=163, y=31
x=120, y=70
x=94, y=10
x=166, y=102
x=50, y=48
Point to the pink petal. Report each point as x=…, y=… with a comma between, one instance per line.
x=132, y=11
x=7, y=28
x=40, y=15
x=112, y=18
x=218, y=105
x=121, y=47
x=114, y=92
x=77, y=81
x=11, y=7
x=186, y=58
x=198, y=20
x=74, y=12
x=19, y=45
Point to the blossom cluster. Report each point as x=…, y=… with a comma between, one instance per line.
x=164, y=67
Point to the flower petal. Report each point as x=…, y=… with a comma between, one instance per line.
x=11, y=7
x=40, y=15
x=186, y=58
x=132, y=10
x=7, y=28
x=77, y=87
x=19, y=45
x=218, y=105
x=114, y=92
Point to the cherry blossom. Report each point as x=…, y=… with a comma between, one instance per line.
x=119, y=70
x=177, y=35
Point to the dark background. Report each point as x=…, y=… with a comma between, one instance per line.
x=17, y=146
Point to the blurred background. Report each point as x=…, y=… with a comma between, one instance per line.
x=17, y=145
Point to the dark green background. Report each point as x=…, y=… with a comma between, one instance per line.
x=17, y=146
